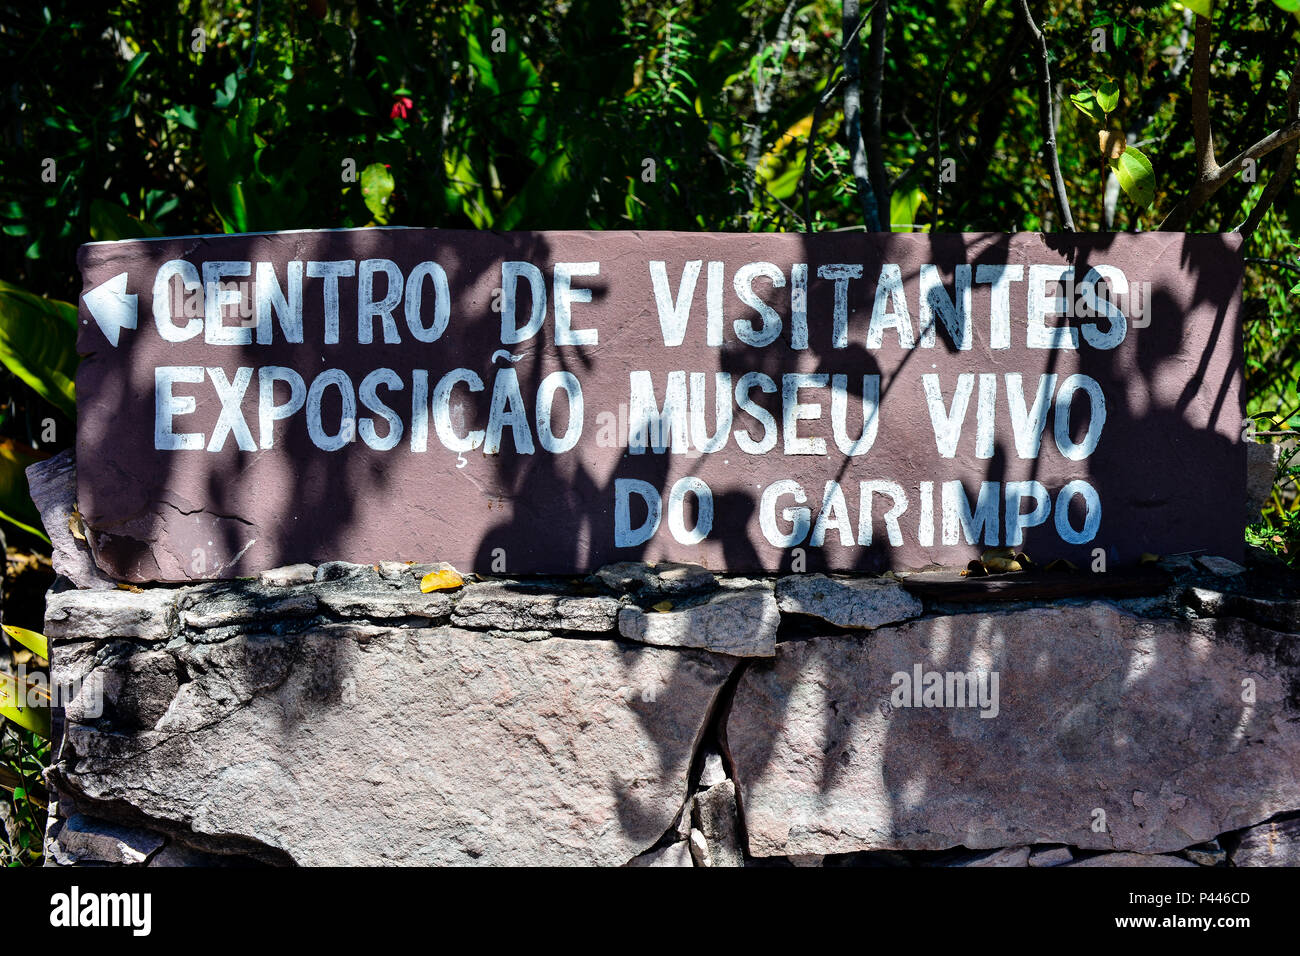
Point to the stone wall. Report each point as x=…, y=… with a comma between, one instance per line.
x=666, y=716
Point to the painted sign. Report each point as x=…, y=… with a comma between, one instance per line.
x=552, y=402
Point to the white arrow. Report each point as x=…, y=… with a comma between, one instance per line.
x=112, y=308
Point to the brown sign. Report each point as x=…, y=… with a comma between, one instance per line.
x=553, y=402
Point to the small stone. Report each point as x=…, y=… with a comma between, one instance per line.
x=740, y=623
x=211, y=606
x=1205, y=602
x=1280, y=614
x=1207, y=854
x=146, y=615
x=807, y=859
x=1220, y=566
x=675, y=854
x=713, y=772
x=1050, y=856
x=288, y=576
x=1261, y=471
x=1132, y=859
x=394, y=570
x=700, y=849
x=82, y=839
x=53, y=487
x=684, y=821
x=344, y=570
x=515, y=606
x=1007, y=856
x=847, y=602
x=716, y=817
x=666, y=577
x=384, y=605
x=1275, y=843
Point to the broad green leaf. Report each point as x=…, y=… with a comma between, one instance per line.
x=110, y=221
x=1290, y=6
x=903, y=207
x=1085, y=101
x=16, y=503
x=544, y=191
x=132, y=68
x=38, y=343
x=1136, y=176
x=1108, y=96
x=13, y=706
x=32, y=640
x=376, y=186
x=1200, y=7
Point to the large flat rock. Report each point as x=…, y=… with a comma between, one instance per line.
x=1098, y=712
x=355, y=744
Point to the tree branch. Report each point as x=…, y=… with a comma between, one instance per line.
x=875, y=89
x=1285, y=167
x=853, y=116
x=1210, y=176
x=764, y=91
x=1045, y=96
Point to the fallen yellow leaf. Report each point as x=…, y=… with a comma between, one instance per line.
x=443, y=579
x=664, y=606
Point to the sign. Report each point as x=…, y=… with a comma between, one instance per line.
x=552, y=402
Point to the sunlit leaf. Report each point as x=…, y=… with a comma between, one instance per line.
x=1107, y=96
x=38, y=343
x=1086, y=103
x=32, y=640
x=1136, y=177
x=376, y=188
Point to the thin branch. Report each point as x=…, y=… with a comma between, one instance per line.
x=875, y=93
x=1202, y=134
x=853, y=117
x=806, y=179
x=1210, y=176
x=1279, y=263
x=1286, y=166
x=1045, y=97
x=764, y=91
x=944, y=74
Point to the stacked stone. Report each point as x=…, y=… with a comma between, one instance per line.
x=666, y=716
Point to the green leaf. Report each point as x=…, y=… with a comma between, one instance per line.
x=1136, y=177
x=110, y=221
x=1108, y=96
x=38, y=343
x=903, y=207
x=13, y=706
x=131, y=70
x=32, y=640
x=1200, y=7
x=1085, y=101
x=16, y=503
x=228, y=91
x=1290, y=6
x=376, y=186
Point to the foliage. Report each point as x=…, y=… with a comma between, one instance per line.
x=23, y=756
x=1278, y=530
